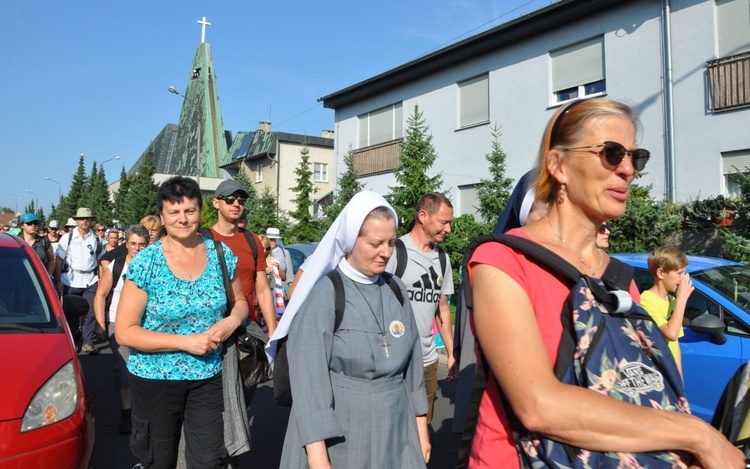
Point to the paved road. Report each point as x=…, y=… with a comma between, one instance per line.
x=268, y=422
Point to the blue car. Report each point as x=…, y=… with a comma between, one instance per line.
x=717, y=325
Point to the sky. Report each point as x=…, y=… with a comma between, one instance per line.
x=91, y=76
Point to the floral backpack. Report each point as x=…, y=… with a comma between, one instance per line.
x=609, y=345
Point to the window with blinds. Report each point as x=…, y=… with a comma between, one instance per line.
x=732, y=163
x=578, y=70
x=733, y=26
x=474, y=101
x=381, y=125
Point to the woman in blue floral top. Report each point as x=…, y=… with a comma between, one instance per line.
x=171, y=314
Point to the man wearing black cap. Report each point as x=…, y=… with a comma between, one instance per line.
x=229, y=200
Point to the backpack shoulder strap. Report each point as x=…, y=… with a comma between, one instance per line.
x=225, y=275
x=206, y=233
x=388, y=278
x=401, y=258
x=119, y=264
x=618, y=275
x=253, y=246
x=339, y=298
x=443, y=260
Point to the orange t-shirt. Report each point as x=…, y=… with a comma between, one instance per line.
x=246, y=266
x=493, y=444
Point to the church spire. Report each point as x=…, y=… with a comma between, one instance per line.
x=201, y=102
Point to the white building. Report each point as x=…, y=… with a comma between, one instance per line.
x=684, y=67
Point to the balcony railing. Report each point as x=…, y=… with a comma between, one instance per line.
x=376, y=159
x=730, y=82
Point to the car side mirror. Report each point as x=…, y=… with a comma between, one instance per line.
x=710, y=325
x=74, y=306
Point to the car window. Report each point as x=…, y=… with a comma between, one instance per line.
x=297, y=258
x=643, y=279
x=22, y=298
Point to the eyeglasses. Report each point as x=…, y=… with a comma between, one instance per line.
x=231, y=198
x=101, y=230
x=614, y=153
x=33, y=223
x=604, y=229
x=153, y=230
x=136, y=245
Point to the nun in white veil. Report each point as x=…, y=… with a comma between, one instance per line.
x=359, y=398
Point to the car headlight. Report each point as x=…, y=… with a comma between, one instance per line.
x=56, y=400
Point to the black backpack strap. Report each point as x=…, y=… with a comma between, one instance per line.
x=401, y=258
x=339, y=298
x=618, y=275
x=388, y=278
x=225, y=275
x=118, y=264
x=253, y=246
x=206, y=233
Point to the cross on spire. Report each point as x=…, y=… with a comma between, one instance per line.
x=203, y=24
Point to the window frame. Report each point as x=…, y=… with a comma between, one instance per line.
x=469, y=91
x=578, y=71
x=365, y=124
x=259, y=172
x=324, y=172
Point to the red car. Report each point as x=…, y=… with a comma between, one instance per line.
x=46, y=414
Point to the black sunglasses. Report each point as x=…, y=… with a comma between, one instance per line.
x=614, y=153
x=32, y=223
x=604, y=228
x=231, y=198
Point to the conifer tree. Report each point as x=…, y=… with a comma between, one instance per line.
x=72, y=201
x=347, y=186
x=121, y=194
x=417, y=155
x=141, y=198
x=263, y=216
x=305, y=230
x=493, y=193
x=252, y=195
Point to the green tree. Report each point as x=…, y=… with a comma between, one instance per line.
x=209, y=215
x=305, y=230
x=263, y=215
x=121, y=194
x=646, y=224
x=463, y=230
x=97, y=196
x=416, y=157
x=74, y=198
x=493, y=193
x=141, y=198
x=347, y=185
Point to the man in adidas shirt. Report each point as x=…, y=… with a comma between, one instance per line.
x=427, y=284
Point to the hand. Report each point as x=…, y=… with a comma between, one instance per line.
x=224, y=328
x=100, y=332
x=718, y=453
x=452, y=369
x=685, y=287
x=200, y=344
x=59, y=287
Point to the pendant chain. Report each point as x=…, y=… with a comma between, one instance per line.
x=384, y=343
x=580, y=258
x=174, y=251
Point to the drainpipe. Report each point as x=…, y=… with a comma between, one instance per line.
x=278, y=178
x=670, y=179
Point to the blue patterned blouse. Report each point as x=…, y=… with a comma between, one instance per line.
x=177, y=306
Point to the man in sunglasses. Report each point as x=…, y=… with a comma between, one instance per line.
x=40, y=244
x=76, y=272
x=229, y=202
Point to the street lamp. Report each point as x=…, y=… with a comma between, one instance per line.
x=59, y=189
x=200, y=121
x=107, y=161
x=36, y=206
x=16, y=199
